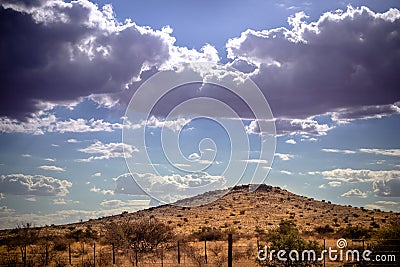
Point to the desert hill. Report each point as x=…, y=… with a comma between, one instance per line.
x=241, y=211
x=248, y=215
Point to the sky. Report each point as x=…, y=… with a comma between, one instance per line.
x=111, y=106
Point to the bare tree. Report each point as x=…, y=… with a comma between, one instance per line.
x=25, y=235
x=144, y=235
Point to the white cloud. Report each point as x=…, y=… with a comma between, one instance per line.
x=342, y=151
x=354, y=193
x=40, y=124
x=51, y=168
x=335, y=184
x=49, y=159
x=301, y=126
x=108, y=151
x=168, y=188
x=283, y=156
x=253, y=128
x=120, y=203
x=286, y=172
x=72, y=140
x=194, y=156
x=256, y=161
x=1, y=196
x=4, y=210
x=35, y=125
x=374, y=206
x=26, y=155
x=291, y=141
x=173, y=125
x=322, y=186
x=97, y=174
x=62, y=201
x=109, y=192
x=306, y=138
x=384, y=183
x=384, y=152
x=82, y=126
x=39, y=185
x=30, y=199
x=383, y=202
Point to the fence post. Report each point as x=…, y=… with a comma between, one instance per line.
x=113, y=254
x=205, y=250
x=83, y=251
x=24, y=255
x=162, y=257
x=94, y=254
x=229, y=250
x=324, y=253
x=136, y=257
x=179, y=254
x=69, y=253
x=47, y=255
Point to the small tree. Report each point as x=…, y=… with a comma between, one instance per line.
x=144, y=235
x=25, y=235
x=287, y=238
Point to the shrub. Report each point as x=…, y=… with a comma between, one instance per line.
x=287, y=237
x=355, y=232
x=60, y=245
x=324, y=229
x=209, y=234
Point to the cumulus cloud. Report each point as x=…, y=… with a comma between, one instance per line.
x=334, y=184
x=389, y=187
x=354, y=193
x=108, y=151
x=344, y=64
x=301, y=126
x=39, y=185
x=283, y=156
x=167, y=188
x=51, y=168
x=82, y=126
x=40, y=124
x=384, y=183
x=173, y=125
x=95, y=189
x=291, y=141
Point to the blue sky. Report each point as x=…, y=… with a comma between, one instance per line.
x=328, y=71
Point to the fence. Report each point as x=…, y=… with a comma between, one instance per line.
x=206, y=253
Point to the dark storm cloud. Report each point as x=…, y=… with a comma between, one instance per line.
x=343, y=62
x=59, y=52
